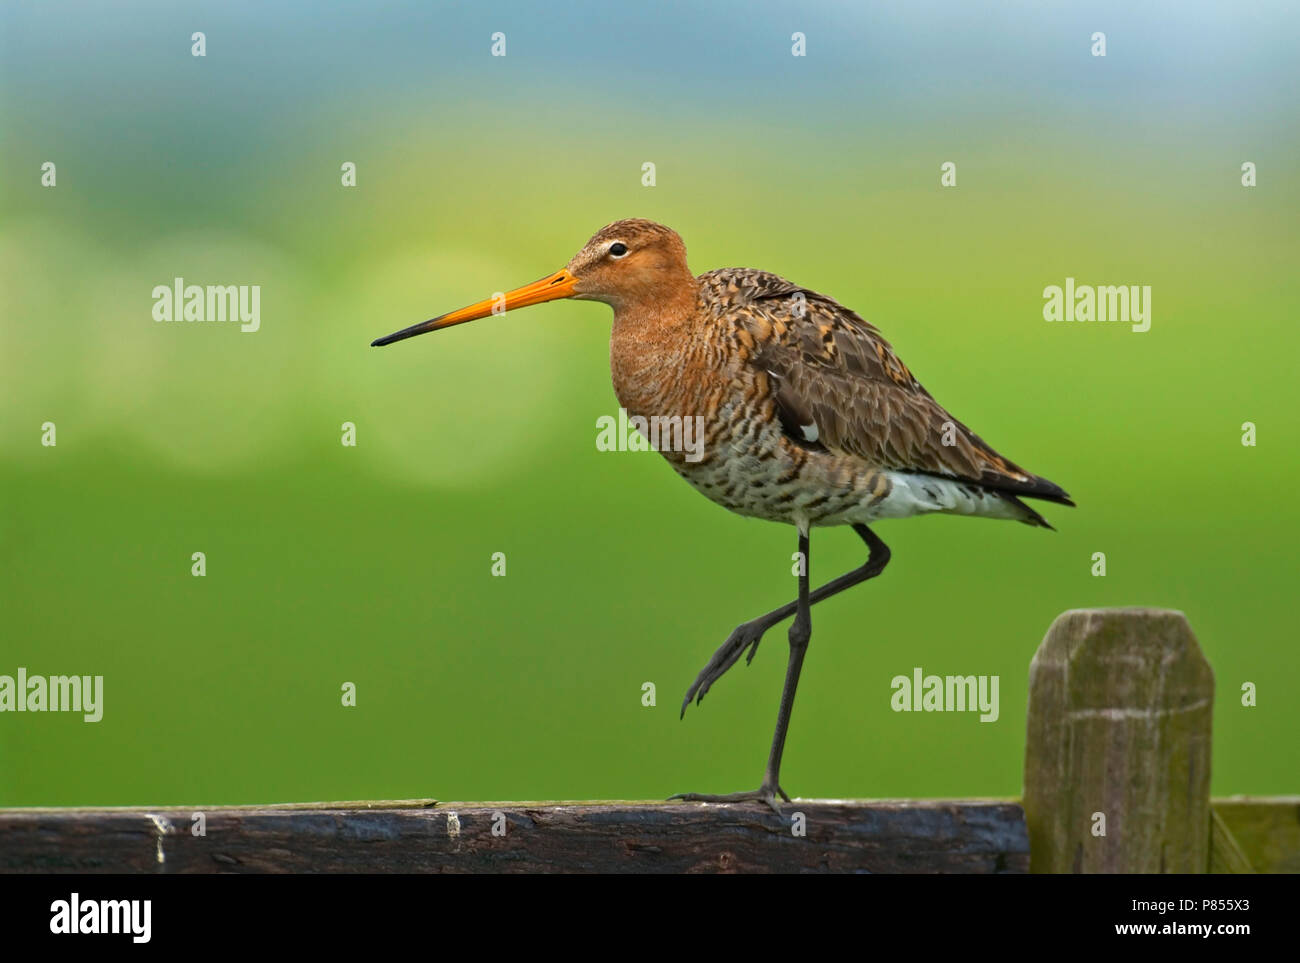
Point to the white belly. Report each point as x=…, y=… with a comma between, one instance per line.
x=914, y=494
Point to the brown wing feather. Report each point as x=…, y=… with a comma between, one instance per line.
x=831, y=368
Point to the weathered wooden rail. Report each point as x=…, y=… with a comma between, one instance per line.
x=1117, y=775
x=899, y=837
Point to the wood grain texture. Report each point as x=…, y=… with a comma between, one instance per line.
x=1120, y=704
x=1267, y=829
x=841, y=836
x=1226, y=854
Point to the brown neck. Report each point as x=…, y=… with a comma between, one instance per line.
x=651, y=347
x=663, y=310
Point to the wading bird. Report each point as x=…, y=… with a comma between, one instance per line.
x=809, y=418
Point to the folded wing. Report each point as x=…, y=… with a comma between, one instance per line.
x=839, y=385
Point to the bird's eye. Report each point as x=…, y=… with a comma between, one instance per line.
x=617, y=249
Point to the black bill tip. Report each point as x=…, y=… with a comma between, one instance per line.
x=405, y=333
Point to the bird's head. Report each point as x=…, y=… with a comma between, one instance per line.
x=627, y=263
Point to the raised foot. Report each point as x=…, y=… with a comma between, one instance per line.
x=745, y=636
x=763, y=794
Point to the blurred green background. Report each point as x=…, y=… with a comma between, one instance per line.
x=371, y=565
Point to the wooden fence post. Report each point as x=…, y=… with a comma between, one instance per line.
x=1120, y=703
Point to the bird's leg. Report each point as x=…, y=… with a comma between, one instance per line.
x=800, y=633
x=749, y=634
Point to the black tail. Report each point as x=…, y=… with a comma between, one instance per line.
x=1032, y=517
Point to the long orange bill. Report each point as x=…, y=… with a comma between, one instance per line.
x=558, y=285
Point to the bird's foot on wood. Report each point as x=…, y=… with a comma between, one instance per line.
x=764, y=794
x=747, y=635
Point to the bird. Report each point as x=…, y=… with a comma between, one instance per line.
x=809, y=418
